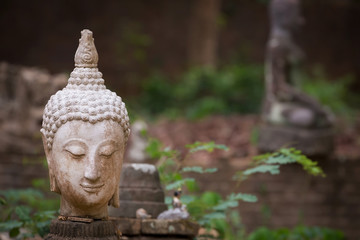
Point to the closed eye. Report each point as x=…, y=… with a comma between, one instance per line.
x=75, y=151
x=107, y=154
x=76, y=155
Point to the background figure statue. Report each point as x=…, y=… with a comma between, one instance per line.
x=290, y=117
x=284, y=104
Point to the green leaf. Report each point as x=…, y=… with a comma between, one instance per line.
x=210, y=198
x=168, y=200
x=244, y=197
x=23, y=213
x=2, y=201
x=214, y=215
x=186, y=199
x=224, y=205
x=45, y=215
x=205, y=146
x=179, y=183
x=14, y=232
x=273, y=169
x=153, y=148
x=8, y=225
x=192, y=186
x=280, y=159
x=198, y=169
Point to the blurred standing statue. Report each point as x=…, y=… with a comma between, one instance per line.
x=290, y=116
x=85, y=130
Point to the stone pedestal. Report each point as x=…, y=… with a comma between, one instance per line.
x=139, y=188
x=61, y=230
x=312, y=142
x=153, y=229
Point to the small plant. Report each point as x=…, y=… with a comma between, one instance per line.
x=271, y=162
x=27, y=209
x=209, y=209
x=333, y=94
x=204, y=91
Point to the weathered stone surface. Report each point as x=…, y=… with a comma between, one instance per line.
x=23, y=94
x=139, y=188
x=175, y=214
x=61, y=230
x=85, y=130
x=312, y=142
x=127, y=226
x=128, y=208
x=156, y=237
x=135, y=175
x=142, y=194
x=171, y=227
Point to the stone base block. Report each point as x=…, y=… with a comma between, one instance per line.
x=153, y=229
x=312, y=142
x=128, y=208
x=61, y=230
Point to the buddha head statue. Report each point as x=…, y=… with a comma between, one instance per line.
x=85, y=130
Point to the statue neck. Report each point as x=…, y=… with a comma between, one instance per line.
x=67, y=209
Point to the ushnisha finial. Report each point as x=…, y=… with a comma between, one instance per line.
x=86, y=55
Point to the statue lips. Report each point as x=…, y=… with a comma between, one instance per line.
x=90, y=188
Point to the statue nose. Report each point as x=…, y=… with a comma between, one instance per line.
x=91, y=170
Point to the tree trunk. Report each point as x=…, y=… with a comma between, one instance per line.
x=203, y=36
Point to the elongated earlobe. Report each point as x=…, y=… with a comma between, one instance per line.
x=53, y=184
x=115, y=200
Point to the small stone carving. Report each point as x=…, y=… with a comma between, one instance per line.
x=286, y=108
x=179, y=210
x=176, y=202
x=85, y=130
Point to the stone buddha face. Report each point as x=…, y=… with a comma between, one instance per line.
x=86, y=160
x=85, y=130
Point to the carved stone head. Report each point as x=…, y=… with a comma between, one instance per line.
x=85, y=130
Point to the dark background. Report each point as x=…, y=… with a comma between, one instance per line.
x=136, y=37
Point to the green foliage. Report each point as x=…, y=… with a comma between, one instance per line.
x=334, y=94
x=198, y=169
x=271, y=162
x=204, y=91
x=298, y=233
x=28, y=209
x=210, y=209
x=209, y=147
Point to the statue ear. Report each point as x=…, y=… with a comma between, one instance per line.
x=53, y=185
x=115, y=200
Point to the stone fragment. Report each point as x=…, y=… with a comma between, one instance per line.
x=171, y=227
x=127, y=226
x=139, y=188
x=23, y=94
